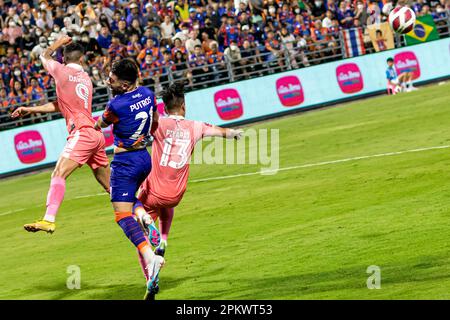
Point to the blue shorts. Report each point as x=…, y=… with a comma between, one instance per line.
x=128, y=171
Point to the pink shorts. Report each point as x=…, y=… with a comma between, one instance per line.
x=86, y=145
x=152, y=204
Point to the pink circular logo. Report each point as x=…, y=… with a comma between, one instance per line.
x=290, y=91
x=228, y=104
x=349, y=78
x=407, y=62
x=30, y=147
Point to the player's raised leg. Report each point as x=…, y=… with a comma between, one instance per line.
x=147, y=222
x=55, y=196
x=133, y=231
x=102, y=175
x=151, y=233
x=142, y=262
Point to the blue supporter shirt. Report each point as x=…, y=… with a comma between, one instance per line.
x=132, y=116
x=104, y=42
x=391, y=74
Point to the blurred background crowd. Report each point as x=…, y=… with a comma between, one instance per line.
x=186, y=37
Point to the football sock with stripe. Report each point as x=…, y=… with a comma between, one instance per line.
x=133, y=232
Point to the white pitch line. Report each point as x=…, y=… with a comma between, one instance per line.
x=89, y=196
x=75, y=198
x=308, y=165
x=11, y=212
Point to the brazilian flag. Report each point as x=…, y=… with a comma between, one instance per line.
x=424, y=30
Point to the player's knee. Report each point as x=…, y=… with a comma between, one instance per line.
x=119, y=216
x=58, y=173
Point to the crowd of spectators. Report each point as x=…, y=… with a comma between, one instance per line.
x=193, y=39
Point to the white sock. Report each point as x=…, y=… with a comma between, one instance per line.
x=163, y=242
x=49, y=218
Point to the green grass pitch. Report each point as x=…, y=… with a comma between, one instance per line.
x=306, y=233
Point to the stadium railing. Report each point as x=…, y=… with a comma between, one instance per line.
x=443, y=25
x=252, y=64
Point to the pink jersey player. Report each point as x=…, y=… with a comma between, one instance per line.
x=84, y=143
x=74, y=93
x=74, y=96
x=174, y=141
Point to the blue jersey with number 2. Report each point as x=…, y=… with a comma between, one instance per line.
x=131, y=113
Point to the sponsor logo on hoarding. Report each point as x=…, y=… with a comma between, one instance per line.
x=349, y=78
x=290, y=91
x=228, y=104
x=407, y=62
x=30, y=146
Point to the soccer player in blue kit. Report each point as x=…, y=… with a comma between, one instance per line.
x=132, y=112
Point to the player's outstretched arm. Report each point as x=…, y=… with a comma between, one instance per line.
x=215, y=131
x=46, y=108
x=233, y=133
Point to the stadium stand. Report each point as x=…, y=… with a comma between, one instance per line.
x=204, y=42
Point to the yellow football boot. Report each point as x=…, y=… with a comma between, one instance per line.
x=41, y=225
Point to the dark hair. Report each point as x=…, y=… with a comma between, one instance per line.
x=125, y=69
x=173, y=95
x=73, y=52
x=378, y=31
x=390, y=60
x=14, y=88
